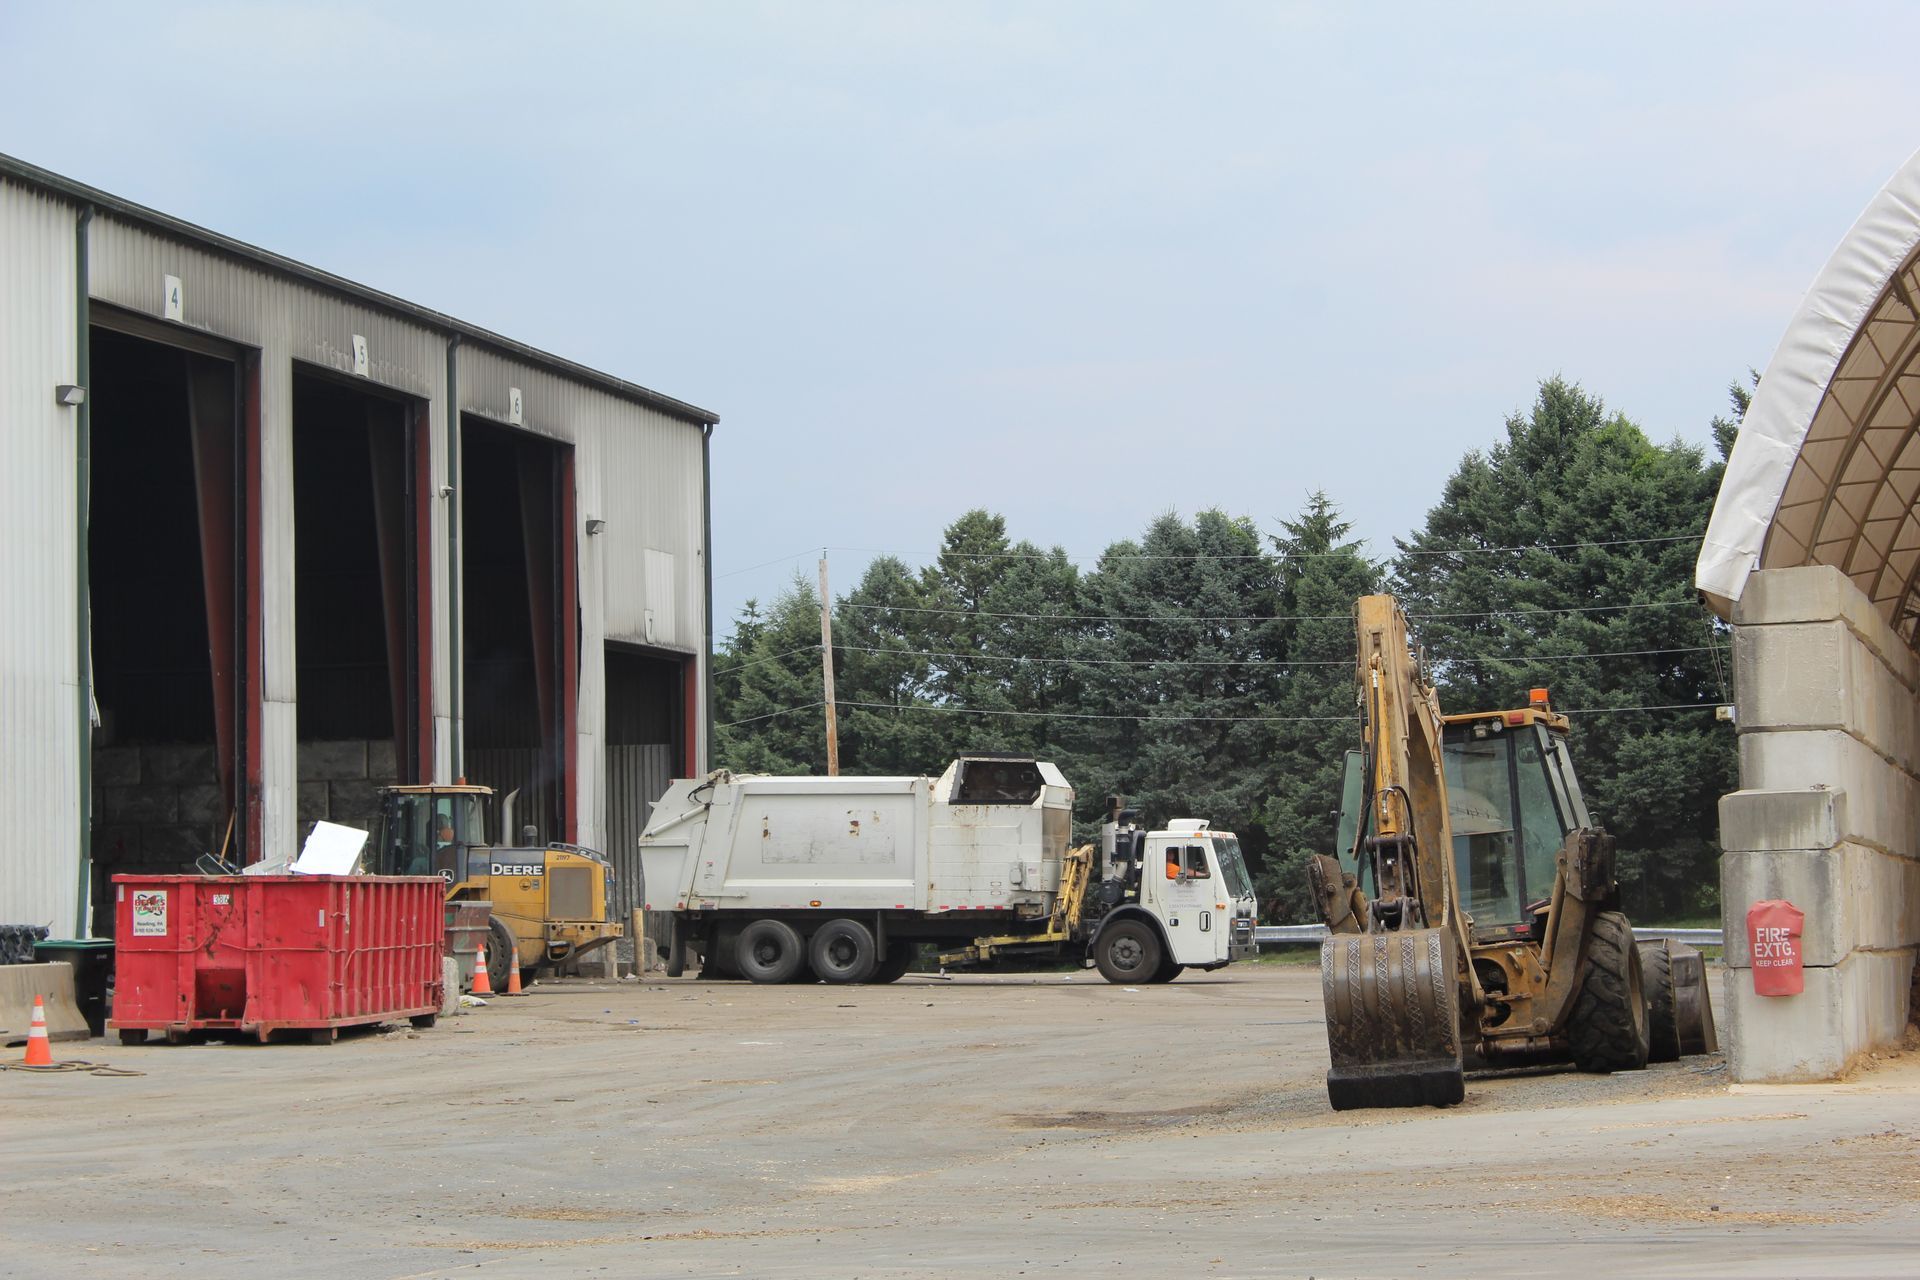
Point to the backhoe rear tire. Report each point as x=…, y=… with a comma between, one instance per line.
x=1663, y=1016
x=769, y=951
x=1127, y=951
x=1607, y=1029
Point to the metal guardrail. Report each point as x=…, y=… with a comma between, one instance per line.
x=1274, y=935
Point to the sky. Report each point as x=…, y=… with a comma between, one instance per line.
x=1076, y=263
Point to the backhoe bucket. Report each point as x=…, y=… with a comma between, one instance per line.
x=1393, y=1019
x=1691, y=1003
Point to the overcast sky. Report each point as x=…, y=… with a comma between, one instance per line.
x=1078, y=263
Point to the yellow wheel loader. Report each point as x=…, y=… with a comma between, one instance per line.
x=1474, y=918
x=549, y=899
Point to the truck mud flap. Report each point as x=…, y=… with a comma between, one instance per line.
x=1692, y=1005
x=1393, y=1019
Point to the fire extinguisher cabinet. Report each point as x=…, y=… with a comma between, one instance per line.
x=260, y=954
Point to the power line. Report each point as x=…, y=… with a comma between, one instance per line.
x=1223, y=662
x=1166, y=719
x=805, y=706
x=1190, y=617
x=805, y=648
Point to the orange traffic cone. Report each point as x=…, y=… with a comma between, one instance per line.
x=513, y=972
x=39, y=1052
x=482, y=984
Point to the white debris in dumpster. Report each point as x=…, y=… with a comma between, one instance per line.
x=331, y=850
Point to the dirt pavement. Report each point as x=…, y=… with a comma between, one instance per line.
x=977, y=1127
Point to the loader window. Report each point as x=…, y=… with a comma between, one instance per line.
x=1480, y=805
x=1542, y=825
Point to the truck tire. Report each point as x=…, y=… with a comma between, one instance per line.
x=768, y=951
x=1663, y=1014
x=1169, y=970
x=843, y=951
x=1607, y=1029
x=894, y=965
x=499, y=952
x=676, y=954
x=1127, y=951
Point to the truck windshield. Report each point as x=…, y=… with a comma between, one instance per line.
x=1233, y=868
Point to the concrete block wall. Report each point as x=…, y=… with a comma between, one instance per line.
x=339, y=781
x=1827, y=703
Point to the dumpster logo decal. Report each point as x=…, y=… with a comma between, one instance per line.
x=149, y=913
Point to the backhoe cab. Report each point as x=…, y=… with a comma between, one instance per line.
x=549, y=900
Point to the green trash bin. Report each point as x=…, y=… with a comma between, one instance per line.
x=92, y=961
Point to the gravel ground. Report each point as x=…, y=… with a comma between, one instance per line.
x=986, y=1126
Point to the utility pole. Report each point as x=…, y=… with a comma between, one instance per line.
x=826, y=670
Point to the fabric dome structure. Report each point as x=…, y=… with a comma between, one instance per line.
x=1826, y=469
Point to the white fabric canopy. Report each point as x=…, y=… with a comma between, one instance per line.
x=1827, y=466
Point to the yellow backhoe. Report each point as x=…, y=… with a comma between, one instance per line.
x=1474, y=919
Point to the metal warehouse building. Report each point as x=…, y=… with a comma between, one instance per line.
x=273, y=539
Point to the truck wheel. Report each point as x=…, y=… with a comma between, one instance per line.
x=1168, y=971
x=768, y=951
x=894, y=965
x=1663, y=1015
x=499, y=952
x=843, y=951
x=1127, y=952
x=1608, y=1026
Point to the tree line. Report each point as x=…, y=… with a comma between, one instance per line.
x=1206, y=668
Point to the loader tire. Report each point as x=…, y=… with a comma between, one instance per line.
x=1128, y=951
x=1663, y=1013
x=499, y=952
x=843, y=951
x=769, y=951
x=1607, y=1029
x=894, y=965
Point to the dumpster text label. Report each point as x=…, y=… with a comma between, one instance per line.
x=150, y=913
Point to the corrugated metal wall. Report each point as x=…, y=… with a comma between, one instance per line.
x=288, y=322
x=636, y=778
x=640, y=471
x=637, y=468
x=39, y=711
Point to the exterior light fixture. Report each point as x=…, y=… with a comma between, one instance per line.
x=595, y=525
x=69, y=395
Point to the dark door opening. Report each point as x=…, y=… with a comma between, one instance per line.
x=646, y=726
x=520, y=627
x=167, y=553
x=359, y=468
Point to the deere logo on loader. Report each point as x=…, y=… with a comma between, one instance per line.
x=517, y=869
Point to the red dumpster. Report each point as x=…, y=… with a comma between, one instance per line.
x=262, y=954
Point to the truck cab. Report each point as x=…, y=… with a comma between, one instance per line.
x=1172, y=899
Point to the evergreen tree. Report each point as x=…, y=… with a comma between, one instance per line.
x=767, y=688
x=1595, y=604
x=1321, y=575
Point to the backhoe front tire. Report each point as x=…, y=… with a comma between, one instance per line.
x=1607, y=1029
x=769, y=951
x=1127, y=952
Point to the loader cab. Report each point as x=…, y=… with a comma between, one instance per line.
x=1512, y=797
x=428, y=831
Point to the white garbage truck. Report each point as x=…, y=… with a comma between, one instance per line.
x=842, y=879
